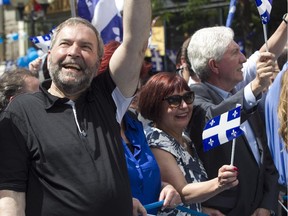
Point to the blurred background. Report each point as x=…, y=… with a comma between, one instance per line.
x=173, y=22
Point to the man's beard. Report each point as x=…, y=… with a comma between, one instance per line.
x=74, y=84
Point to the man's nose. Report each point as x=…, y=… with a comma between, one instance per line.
x=74, y=50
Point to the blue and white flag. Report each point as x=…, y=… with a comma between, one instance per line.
x=232, y=9
x=222, y=129
x=86, y=9
x=105, y=15
x=42, y=42
x=156, y=59
x=264, y=8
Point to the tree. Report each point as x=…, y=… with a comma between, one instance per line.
x=183, y=17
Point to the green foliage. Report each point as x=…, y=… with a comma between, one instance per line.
x=157, y=5
x=159, y=10
x=188, y=16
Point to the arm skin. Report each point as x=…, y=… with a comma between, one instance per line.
x=277, y=41
x=194, y=192
x=125, y=63
x=265, y=68
x=12, y=203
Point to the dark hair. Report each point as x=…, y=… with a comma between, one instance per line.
x=182, y=53
x=158, y=87
x=12, y=83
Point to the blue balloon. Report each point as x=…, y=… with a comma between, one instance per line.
x=30, y=49
x=32, y=55
x=22, y=62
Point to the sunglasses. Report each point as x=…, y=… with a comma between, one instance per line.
x=175, y=101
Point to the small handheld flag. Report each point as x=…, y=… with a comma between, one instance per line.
x=42, y=42
x=222, y=129
x=264, y=7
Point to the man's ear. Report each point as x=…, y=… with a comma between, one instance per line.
x=213, y=66
x=11, y=98
x=48, y=59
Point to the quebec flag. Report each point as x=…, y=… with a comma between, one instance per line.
x=222, y=129
x=105, y=15
x=42, y=42
x=264, y=8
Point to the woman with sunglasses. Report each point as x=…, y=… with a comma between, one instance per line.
x=167, y=101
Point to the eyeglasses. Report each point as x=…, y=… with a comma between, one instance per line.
x=175, y=101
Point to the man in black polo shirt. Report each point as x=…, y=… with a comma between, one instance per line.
x=60, y=148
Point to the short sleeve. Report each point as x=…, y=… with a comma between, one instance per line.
x=13, y=154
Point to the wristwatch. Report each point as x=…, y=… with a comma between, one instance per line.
x=284, y=18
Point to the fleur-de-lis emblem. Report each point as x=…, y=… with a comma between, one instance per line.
x=211, y=142
x=234, y=133
x=212, y=122
x=235, y=113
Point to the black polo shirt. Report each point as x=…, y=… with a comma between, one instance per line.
x=63, y=172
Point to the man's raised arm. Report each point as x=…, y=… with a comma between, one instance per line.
x=125, y=64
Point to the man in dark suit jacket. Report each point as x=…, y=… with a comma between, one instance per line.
x=217, y=60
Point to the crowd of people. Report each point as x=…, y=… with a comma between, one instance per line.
x=100, y=135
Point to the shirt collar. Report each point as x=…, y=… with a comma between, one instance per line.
x=50, y=100
x=221, y=92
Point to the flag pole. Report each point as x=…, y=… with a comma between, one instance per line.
x=283, y=206
x=233, y=152
x=265, y=36
x=73, y=10
x=233, y=145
